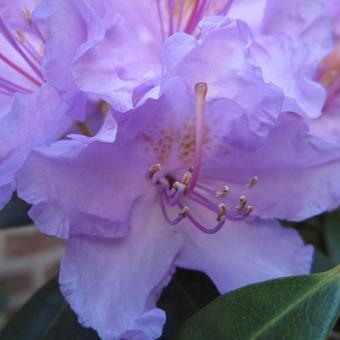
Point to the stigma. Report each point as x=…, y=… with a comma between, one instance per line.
x=188, y=190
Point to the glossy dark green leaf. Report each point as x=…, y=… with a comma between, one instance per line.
x=46, y=316
x=332, y=236
x=321, y=262
x=299, y=308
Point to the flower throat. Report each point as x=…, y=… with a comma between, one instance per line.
x=172, y=191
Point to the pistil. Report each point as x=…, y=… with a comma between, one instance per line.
x=201, y=90
x=174, y=189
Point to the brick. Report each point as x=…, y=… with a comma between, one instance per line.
x=28, y=244
x=16, y=282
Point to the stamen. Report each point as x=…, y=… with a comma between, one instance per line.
x=199, y=15
x=180, y=15
x=201, y=90
x=161, y=19
x=249, y=210
x=187, y=178
x=224, y=191
x=153, y=170
x=8, y=36
x=202, y=228
x=190, y=24
x=203, y=201
x=242, y=204
x=171, y=9
x=27, y=17
x=252, y=182
x=11, y=87
x=29, y=48
x=31, y=24
x=181, y=215
x=84, y=129
x=176, y=193
x=222, y=210
x=184, y=212
x=20, y=70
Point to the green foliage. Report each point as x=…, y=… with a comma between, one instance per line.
x=301, y=307
x=46, y=316
x=332, y=236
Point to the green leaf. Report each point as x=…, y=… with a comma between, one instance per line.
x=321, y=262
x=299, y=308
x=332, y=237
x=46, y=316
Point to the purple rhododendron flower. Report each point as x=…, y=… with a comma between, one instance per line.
x=135, y=48
x=158, y=188
x=327, y=126
x=170, y=179
x=31, y=111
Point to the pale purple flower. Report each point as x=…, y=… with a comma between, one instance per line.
x=32, y=110
x=168, y=186
x=133, y=48
x=173, y=180
x=327, y=126
x=21, y=52
x=26, y=103
x=334, y=13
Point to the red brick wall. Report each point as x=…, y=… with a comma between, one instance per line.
x=27, y=260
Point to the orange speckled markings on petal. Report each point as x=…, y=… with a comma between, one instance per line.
x=169, y=141
x=330, y=67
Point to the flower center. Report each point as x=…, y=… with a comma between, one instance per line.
x=23, y=58
x=189, y=187
x=329, y=75
x=184, y=15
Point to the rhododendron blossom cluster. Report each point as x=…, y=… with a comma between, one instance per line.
x=157, y=134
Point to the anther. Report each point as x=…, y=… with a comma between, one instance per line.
x=27, y=16
x=224, y=191
x=176, y=186
x=184, y=212
x=252, y=182
x=175, y=193
x=201, y=89
x=84, y=129
x=242, y=204
x=249, y=210
x=181, y=215
x=222, y=210
x=21, y=36
x=186, y=178
x=153, y=170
